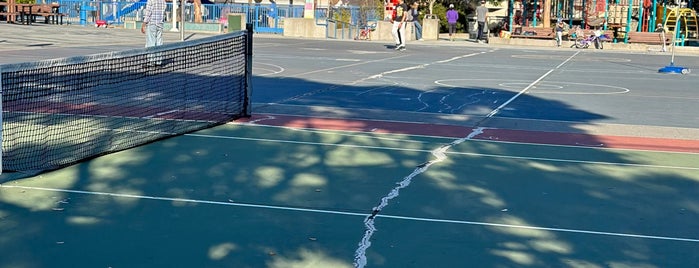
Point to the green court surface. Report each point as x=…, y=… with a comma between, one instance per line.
x=243, y=195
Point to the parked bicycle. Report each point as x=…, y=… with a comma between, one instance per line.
x=365, y=32
x=582, y=41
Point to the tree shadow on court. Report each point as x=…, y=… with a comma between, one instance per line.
x=251, y=195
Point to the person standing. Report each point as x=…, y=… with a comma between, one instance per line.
x=481, y=18
x=452, y=17
x=398, y=30
x=272, y=14
x=152, y=25
x=560, y=26
x=416, y=20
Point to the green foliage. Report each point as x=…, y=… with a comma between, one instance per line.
x=380, y=9
x=370, y=10
x=22, y=1
x=342, y=16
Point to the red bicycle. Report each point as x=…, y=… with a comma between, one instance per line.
x=365, y=32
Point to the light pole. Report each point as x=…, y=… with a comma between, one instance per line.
x=174, y=16
x=182, y=19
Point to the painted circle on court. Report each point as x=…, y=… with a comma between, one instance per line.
x=521, y=85
x=555, y=87
x=263, y=69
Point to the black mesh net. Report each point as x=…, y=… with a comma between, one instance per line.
x=59, y=112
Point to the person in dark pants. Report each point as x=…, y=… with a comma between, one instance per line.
x=481, y=18
x=452, y=17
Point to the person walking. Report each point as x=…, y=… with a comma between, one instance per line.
x=416, y=20
x=152, y=25
x=481, y=18
x=452, y=17
x=399, y=20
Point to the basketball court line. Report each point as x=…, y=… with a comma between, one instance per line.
x=346, y=213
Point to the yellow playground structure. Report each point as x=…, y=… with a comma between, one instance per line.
x=682, y=21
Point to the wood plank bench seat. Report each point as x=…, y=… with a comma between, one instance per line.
x=652, y=38
x=49, y=12
x=533, y=32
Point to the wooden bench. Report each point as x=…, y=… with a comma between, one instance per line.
x=49, y=12
x=652, y=38
x=533, y=32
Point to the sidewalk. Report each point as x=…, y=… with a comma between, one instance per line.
x=462, y=39
x=21, y=43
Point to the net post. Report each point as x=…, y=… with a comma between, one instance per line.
x=247, y=112
x=1, y=120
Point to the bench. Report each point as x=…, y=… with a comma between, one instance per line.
x=533, y=32
x=652, y=38
x=49, y=12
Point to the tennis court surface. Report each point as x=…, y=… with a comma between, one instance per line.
x=443, y=155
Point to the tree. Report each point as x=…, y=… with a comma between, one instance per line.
x=197, y=12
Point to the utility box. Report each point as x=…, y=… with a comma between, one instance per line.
x=236, y=22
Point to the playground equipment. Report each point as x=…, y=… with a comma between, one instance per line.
x=621, y=15
x=682, y=21
x=672, y=69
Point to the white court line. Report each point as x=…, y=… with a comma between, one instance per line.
x=440, y=154
x=497, y=110
x=452, y=153
x=335, y=212
x=270, y=71
x=349, y=65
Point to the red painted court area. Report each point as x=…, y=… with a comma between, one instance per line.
x=504, y=135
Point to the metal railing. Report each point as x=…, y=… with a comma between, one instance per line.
x=116, y=12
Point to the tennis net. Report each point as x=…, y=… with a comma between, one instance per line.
x=58, y=112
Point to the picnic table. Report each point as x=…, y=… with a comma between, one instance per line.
x=27, y=13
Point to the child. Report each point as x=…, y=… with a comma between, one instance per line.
x=560, y=26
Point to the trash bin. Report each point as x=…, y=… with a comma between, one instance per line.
x=472, y=27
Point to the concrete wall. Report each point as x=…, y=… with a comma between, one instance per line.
x=300, y=27
x=307, y=28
